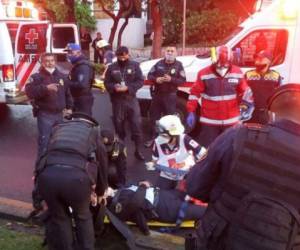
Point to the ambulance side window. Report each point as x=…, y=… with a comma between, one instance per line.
x=61, y=36
x=273, y=41
x=32, y=39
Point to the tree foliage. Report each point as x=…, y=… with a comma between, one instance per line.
x=84, y=16
x=205, y=25
x=55, y=12
x=209, y=26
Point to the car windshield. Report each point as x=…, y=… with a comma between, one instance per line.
x=206, y=52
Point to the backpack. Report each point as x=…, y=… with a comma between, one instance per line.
x=263, y=223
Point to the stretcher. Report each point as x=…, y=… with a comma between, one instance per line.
x=184, y=224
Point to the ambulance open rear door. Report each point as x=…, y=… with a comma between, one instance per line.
x=36, y=38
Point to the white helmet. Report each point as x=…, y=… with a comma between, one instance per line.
x=101, y=43
x=171, y=125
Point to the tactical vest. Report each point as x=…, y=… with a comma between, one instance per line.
x=266, y=177
x=72, y=143
x=262, y=87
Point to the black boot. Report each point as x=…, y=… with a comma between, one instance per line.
x=138, y=154
x=149, y=143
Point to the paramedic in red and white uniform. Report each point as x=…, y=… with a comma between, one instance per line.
x=174, y=152
x=223, y=95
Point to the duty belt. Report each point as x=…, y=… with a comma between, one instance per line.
x=62, y=166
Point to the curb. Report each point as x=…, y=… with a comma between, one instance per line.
x=14, y=209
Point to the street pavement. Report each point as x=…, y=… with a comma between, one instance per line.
x=18, y=145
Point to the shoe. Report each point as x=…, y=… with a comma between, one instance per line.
x=149, y=143
x=139, y=155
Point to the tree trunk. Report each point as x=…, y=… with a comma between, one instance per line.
x=71, y=13
x=113, y=30
x=126, y=8
x=121, y=31
x=157, y=28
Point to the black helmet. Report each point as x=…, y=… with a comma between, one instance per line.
x=287, y=93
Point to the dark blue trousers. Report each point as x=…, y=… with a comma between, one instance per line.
x=161, y=105
x=84, y=104
x=127, y=110
x=45, y=122
x=63, y=187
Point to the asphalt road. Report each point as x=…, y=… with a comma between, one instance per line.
x=18, y=145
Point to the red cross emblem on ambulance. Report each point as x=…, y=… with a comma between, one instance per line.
x=31, y=36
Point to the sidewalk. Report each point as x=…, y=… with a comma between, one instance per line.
x=14, y=209
x=19, y=211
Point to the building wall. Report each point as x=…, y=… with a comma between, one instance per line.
x=133, y=35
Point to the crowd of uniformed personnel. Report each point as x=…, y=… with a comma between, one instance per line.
x=246, y=173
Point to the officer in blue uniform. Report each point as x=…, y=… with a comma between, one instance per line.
x=122, y=80
x=81, y=79
x=262, y=80
x=143, y=202
x=166, y=75
x=73, y=169
x=50, y=96
x=252, y=168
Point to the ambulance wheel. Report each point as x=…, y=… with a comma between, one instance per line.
x=182, y=113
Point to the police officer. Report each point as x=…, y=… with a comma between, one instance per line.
x=81, y=79
x=73, y=168
x=106, y=50
x=143, y=202
x=225, y=97
x=262, y=80
x=166, y=75
x=50, y=96
x=98, y=55
x=117, y=159
x=122, y=80
x=250, y=179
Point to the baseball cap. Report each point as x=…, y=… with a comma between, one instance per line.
x=122, y=50
x=72, y=47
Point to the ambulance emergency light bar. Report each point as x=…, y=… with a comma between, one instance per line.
x=289, y=9
x=21, y=10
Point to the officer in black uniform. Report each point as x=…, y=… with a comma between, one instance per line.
x=73, y=169
x=166, y=75
x=81, y=79
x=122, y=80
x=145, y=202
x=262, y=81
x=117, y=159
x=50, y=96
x=250, y=178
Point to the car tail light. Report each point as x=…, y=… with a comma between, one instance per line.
x=8, y=72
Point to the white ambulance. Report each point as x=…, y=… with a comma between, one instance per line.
x=278, y=23
x=23, y=39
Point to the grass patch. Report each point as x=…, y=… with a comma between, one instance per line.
x=12, y=240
